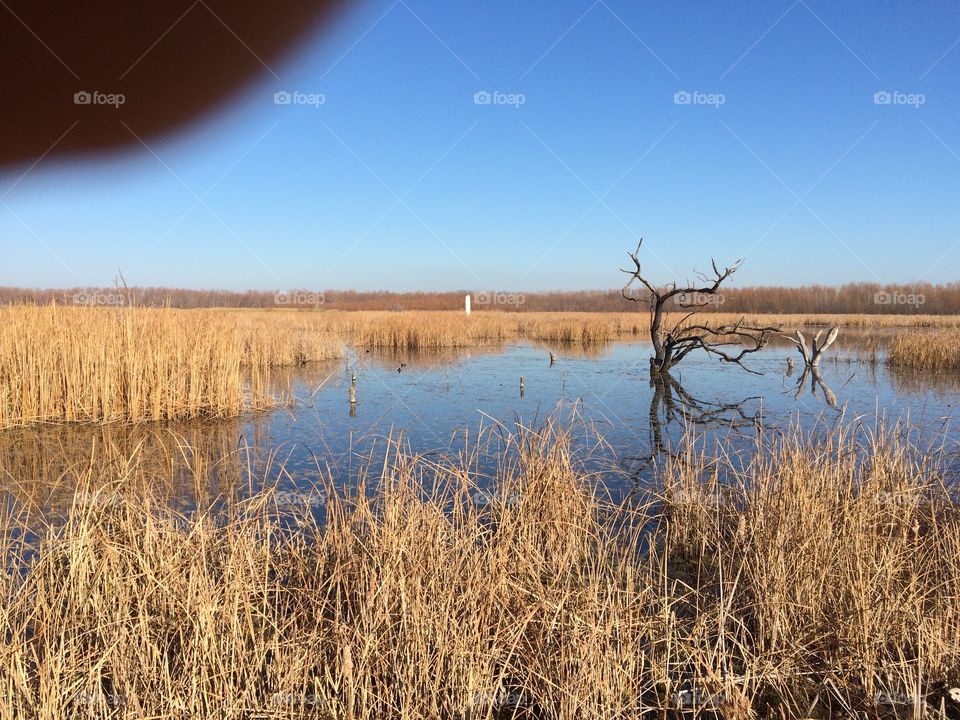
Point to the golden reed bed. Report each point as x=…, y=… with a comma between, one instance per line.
x=89, y=364
x=431, y=329
x=938, y=351
x=811, y=585
x=118, y=364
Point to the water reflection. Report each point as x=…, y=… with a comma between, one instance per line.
x=816, y=382
x=944, y=384
x=46, y=470
x=672, y=404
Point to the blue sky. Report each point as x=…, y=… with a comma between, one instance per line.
x=399, y=180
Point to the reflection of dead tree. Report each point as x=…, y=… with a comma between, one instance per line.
x=676, y=403
x=816, y=380
x=812, y=359
x=671, y=402
x=672, y=345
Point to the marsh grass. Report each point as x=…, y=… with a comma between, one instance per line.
x=851, y=320
x=812, y=578
x=938, y=351
x=440, y=329
x=443, y=329
x=79, y=364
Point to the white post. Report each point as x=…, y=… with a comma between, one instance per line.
x=466, y=304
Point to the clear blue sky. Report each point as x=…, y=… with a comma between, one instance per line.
x=400, y=181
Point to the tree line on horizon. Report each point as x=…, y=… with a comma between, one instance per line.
x=862, y=298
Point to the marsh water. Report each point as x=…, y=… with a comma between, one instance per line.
x=459, y=403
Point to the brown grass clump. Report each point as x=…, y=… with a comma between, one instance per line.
x=103, y=365
x=852, y=320
x=279, y=339
x=80, y=364
x=921, y=351
x=807, y=584
x=417, y=330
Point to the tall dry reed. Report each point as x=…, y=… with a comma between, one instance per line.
x=82, y=364
x=434, y=329
x=817, y=579
x=938, y=351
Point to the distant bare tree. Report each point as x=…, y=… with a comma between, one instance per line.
x=674, y=344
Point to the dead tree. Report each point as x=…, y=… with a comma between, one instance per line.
x=812, y=359
x=673, y=344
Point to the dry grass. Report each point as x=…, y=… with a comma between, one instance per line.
x=435, y=329
x=440, y=329
x=851, y=320
x=803, y=586
x=918, y=351
x=78, y=364
x=443, y=329
x=278, y=339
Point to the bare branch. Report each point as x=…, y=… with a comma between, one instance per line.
x=636, y=274
x=670, y=347
x=812, y=358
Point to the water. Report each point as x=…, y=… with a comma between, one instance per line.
x=439, y=404
x=434, y=401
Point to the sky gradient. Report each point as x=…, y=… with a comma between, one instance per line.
x=759, y=131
